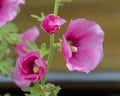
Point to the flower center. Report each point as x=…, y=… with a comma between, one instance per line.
x=73, y=48
x=36, y=69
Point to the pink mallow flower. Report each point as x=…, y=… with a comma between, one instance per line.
x=82, y=45
x=30, y=34
x=52, y=23
x=29, y=68
x=8, y=10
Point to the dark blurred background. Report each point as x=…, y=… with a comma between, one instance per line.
x=104, y=80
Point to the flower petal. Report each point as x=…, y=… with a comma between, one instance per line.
x=66, y=49
x=87, y=37
x=52, y=23
x=30, y=34
x=19, y=80
x=25, y=69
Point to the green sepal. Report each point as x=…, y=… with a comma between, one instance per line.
x=58, y=45
x=39, y=18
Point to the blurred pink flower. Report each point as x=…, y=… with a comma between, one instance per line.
x=30, y=34
x=51, y=23
x=82, y=45
x=29, y=68
x=8, y=10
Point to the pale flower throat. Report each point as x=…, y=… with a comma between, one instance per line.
x=36, y=69
x=73, y=48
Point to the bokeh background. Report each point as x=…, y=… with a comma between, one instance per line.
x=105, y=12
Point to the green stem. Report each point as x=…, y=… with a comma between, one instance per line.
x=49, y=61
x=56, y=7
x=51, y=53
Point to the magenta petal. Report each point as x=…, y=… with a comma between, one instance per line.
x=2, y=22
x=31, y=34
x=26, y=67
x=19, y=80
x=8, y=10
x=66, y=49
x=85, y=60
x=78, y=28
x=51, y=23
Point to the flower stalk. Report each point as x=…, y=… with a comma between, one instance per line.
x=51, y=53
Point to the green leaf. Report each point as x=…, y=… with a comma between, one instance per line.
x=27, y=49
x=8, y=33
x=44, y=50
x=58, y=45
x=6, y=66
x=3, y=48
x=39, y=90
x=35, y=90
x=32, y=45
x=12, y=38
x=9, y=27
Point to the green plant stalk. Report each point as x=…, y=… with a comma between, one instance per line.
x=51, y=53
x=56, y=7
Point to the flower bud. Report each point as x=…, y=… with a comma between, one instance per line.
x=52, y=23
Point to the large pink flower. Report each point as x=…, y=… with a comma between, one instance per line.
x=29, y=68
x=8, y=10
x=30, y=34
x=51, y=23
x=82, y=45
